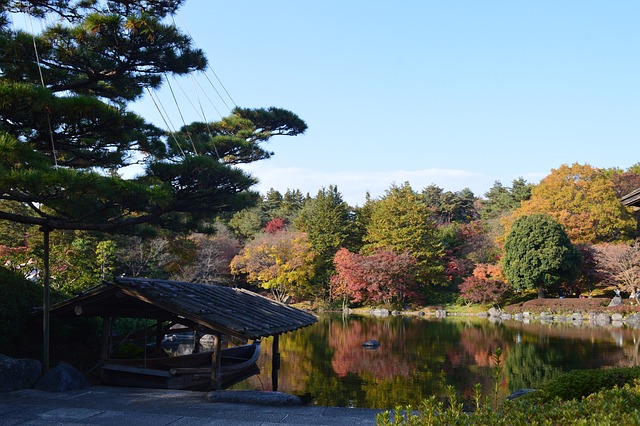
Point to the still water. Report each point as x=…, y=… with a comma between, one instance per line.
x=326, y=363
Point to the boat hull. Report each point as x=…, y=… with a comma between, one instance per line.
x=192, y=372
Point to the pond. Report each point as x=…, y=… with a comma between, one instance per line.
x=326, y=363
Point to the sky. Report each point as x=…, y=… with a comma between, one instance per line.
x=458, y=93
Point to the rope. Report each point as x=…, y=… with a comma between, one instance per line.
x=181, y=116
x=165, y=121
x=204, y=118
x=35, y=49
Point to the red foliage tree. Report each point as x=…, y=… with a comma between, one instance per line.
x=275, y=225
x=620, y=264
x=383, y=276
x=486, y=285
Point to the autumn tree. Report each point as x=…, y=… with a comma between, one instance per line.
x=485, y=285
x=400, y=222
x=211, y=258
x=538, y=254
x=383, y=276
x=620, y=264
x=583, y=199
x=329, y=223
x=281, y=262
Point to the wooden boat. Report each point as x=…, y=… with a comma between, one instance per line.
x=191, y=371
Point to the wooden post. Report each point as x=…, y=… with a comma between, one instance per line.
x=275, y=362
x=105, y=340
x=46, y=303
x=196, y=339
x=159, y=336
x=216, y=362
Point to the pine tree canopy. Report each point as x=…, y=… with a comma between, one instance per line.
x=66, y=132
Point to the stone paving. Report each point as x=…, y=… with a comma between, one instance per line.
x=105, y=405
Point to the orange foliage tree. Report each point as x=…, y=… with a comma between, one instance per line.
x=584, y=200
x=486, y=285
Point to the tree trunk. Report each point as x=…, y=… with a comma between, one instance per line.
x=540, y=291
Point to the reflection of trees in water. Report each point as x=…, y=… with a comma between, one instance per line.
x=527, y=365
x=389, y=360
x=418, y=357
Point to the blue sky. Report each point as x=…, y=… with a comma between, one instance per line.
x=453, y=93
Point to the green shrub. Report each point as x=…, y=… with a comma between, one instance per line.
x=609, y=407
x=18, y=298
x=577, y=384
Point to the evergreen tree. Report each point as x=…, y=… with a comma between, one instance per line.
x=328, y=221
x=400, y=222
x=538, y=254
x=65, y=130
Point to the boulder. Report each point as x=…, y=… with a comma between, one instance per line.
x=380, y=312
x=16, y=374
x=520, y=392
x=616, y=301
x=494, y=312
x=61, y=378
x=371, y=344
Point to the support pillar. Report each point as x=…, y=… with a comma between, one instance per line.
x=46, y=303
x=216, y=362
x=275, y=362
x=105, y=339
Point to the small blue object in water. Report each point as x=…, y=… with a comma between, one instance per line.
x=371, y=344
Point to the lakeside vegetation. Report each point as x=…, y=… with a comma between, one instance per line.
x=579, y=397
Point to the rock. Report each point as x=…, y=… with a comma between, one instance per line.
x=380, y=312
x=441, y=313
x=62, y=378
x=616, y=301
x=16, y=374
x=494, y=312
x=254, y=397
x=603, y=319
x=576, y=316
x=371, y=344
x=632, y=320
x=520, y=392
x=616, y=317
x=395, y=313
x=505, y=316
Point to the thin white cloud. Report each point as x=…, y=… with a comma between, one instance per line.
x=354, y=185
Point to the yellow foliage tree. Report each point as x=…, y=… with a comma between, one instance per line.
x=281, y=262
x=583, y=199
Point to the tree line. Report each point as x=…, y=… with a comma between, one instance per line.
x=563, y=236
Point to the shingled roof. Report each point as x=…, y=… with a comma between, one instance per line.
x=226, y=310
x=632, y=199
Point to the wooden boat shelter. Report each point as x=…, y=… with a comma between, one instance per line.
x=203, y=308
x=632, y=199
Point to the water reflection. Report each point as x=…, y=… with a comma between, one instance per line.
x=418, y=357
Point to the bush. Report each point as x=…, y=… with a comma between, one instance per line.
x=609, y=407
x=560, y=306
x=577, y=384
x=19, y=297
